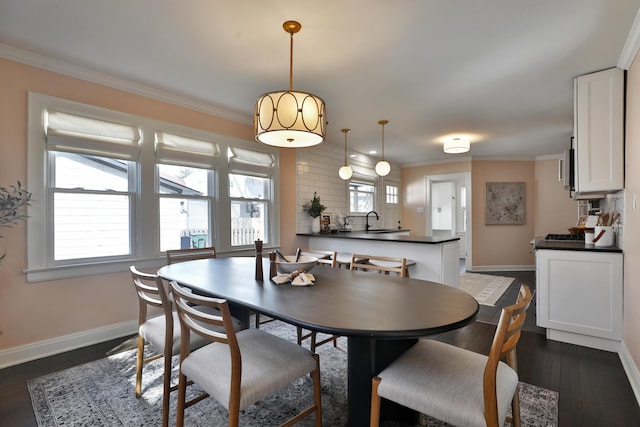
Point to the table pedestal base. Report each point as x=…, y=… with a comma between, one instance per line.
x=366, y=358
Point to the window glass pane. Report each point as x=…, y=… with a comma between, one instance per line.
x=183, y=180
x=248, y=222
x=248, y=187
x=81, y=171
x=392, y=194
x=90, y=225
x=184, y=223
x=361, y=197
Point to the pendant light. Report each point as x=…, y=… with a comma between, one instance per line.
x=383, y=167
x=289, y=118
x=345, y=171
x=456, y=146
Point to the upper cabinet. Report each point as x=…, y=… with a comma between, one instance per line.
x=599, y=131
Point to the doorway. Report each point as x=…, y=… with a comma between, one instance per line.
x=448, y=210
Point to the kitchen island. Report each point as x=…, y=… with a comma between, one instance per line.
x=436, y=258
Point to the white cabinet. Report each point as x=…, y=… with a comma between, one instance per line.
x=579, y=297
x=599, y=131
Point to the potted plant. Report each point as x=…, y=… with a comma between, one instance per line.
x=314, y=208
x=13, y=201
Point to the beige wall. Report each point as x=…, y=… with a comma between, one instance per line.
x=501, y=245
x=32, y=312
x=553, y=210
x=631, y=231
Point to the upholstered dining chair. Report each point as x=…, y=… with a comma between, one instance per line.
x=382, y=264
x=325, y=258
x=162, y=331
x=179, y=255
x=455, y=385
x=237, y=369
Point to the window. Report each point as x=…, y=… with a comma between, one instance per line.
x=90, y=186
x=91, y=204
x=361, y=197
x=392, y=194
x=121, y=189
x=250, y=189
x=185, y=192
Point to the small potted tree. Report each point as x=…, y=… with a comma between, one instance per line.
x=13, y=200
x=314, y=208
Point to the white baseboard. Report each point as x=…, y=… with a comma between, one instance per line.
x=631, y=370
x=479, y=268
x=37, y=350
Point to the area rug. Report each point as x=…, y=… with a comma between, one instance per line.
x=486, y=289
x=101, y=393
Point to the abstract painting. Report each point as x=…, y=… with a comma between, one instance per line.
x=505, y=203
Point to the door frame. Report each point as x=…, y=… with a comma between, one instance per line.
x=456, y=178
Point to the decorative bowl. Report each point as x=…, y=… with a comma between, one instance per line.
x=305, y=263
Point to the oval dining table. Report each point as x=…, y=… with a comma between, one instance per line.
x=381, y=315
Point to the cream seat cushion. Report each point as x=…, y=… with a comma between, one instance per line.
x=445, y=382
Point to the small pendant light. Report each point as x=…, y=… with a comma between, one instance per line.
x=383, y=167
x=345, y=171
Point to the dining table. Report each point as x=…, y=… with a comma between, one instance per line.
x=380, y=315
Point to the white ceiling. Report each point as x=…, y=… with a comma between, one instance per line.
x=500, y=71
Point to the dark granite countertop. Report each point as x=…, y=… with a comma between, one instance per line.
x=387, y=235
x=540, y=243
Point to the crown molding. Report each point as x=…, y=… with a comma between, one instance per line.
x=630, y=48
x=75, y=71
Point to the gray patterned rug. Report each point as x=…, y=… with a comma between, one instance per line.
x=101, y=393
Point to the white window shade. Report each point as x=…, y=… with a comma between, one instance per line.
x=249, y=161
x=83, y=135
x=180, y=150
x=364, y=173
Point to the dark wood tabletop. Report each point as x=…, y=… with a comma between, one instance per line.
x=381, y=315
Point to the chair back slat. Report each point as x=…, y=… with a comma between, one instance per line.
x=151, y=291
x=324, y=257
x=363, y=262
x=194, y=317
x=180, y=255
x=504, y=344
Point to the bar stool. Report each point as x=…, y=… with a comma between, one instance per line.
x=400, y=266
x=344, y=259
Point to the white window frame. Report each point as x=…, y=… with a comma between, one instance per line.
x=145, y=229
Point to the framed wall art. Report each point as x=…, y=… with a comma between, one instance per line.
x=505, y=203
x=325, y=221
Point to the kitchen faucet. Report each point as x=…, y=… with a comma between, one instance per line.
x=366, y=227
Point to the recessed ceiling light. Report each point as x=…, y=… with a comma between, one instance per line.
x=373, y=152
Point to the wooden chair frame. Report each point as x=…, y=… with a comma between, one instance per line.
x=358, y=264
x=330, y=260
x=193, y=320
x=151, y=292
x=179, y=255
x=503, y=347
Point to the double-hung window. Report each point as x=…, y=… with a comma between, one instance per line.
x=185, y=187
x=251, y=194
x=90, y=187
x=361, y=197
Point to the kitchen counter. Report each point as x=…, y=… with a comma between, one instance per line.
x=383, y=235
x=540, y=243
x=436, y=259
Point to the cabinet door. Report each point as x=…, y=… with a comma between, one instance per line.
x=599, y=114
x=580, y=292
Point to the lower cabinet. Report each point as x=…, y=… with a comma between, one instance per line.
x=579, y=297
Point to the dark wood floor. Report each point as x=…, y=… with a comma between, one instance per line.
x=593, y=387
